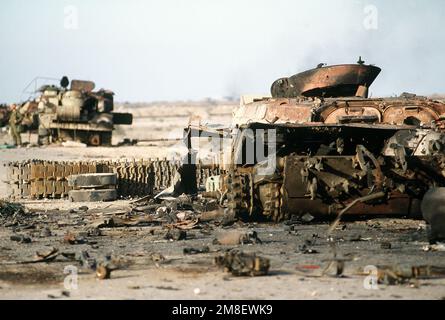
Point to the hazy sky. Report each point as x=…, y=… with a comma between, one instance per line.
x=192, y=49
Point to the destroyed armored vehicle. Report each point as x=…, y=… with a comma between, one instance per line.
x=319, y=145
x=77, y=113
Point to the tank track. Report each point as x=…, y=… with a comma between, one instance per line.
x=244, y=205
x=38, y=179
x=239, y=196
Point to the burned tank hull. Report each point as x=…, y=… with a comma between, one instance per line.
x=320, y=146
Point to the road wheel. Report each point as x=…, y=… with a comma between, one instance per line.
x=94, y=140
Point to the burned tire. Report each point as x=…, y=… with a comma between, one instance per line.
x=433, y=211
x=92, y=195
x=92, y=180
x=95, y=140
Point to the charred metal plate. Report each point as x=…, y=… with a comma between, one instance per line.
x=331, y=171
x=325, y=185
x=396, y=205
x=331, y=81
x=122, y=118
x=294, y=187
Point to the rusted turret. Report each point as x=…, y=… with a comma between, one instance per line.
x=345, y=80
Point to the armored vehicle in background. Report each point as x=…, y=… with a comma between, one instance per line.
x=319, y=145
x=76, y=113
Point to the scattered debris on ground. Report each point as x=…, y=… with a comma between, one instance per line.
x=243, y=264
x=403, y=273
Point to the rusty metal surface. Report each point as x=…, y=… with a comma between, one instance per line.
x=308, y=111
x=338, y=94
x=396, y=111
x=394, y=206
x=335, y=183
x=332, y=81
x=275, y=111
